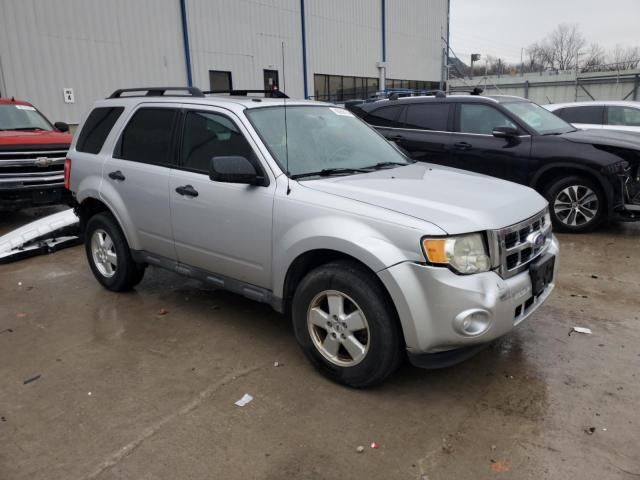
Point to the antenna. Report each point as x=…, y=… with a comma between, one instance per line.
x=286, y=136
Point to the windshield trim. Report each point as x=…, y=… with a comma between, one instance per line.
x=283, y=168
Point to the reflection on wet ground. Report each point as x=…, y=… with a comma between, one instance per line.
x=142, y=385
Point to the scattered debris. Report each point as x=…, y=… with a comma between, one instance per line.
x=590, y=430
x=89, y=393
x=580, y=330
x=246, y=398
x=493, y=447
x=594, y=276
x=375, y=445
x=276, y=364
x=8, y=330
x=360, y=449
x=19, y=284
x=163, y=311
x=32, y=379
x=4, y=419
x=604, y=429
x=21, y=315
x=500, y=466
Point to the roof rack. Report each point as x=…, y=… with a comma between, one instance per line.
x=244, y=93
x=158, y=91
x=426, y=93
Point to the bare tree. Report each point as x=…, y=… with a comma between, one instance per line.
x=593, y=58
x=624, y=58
x=561, y=50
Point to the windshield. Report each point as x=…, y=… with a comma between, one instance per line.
x=322, y=139
x=542, y=121
x=22, y=117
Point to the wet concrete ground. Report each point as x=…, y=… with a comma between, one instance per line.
x=123, y=392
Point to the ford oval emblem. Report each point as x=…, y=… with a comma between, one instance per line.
x=537, y=239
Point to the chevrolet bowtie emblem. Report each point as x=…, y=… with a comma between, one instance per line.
x=43, y=161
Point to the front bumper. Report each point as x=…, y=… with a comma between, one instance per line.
x=428, y=300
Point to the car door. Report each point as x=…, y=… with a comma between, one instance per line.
x=476, y=149
x=623, y=118
x=424, y=132
x=223, y=228
x=583, y=117
x=136, y=177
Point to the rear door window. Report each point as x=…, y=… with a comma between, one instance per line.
x=207, y=135
x=96, y=128
x=482, y=119
x=147, y=138
x=385, y=116
x=428, y=116
x=589, y=114
x=624, y=116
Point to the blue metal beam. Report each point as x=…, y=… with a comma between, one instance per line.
x=384, y=31
x=304, y=49
x=185, y=37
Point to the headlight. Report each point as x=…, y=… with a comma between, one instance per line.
x=464, y=253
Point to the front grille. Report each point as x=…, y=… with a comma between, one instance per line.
x=518, y=245
x=31, y=167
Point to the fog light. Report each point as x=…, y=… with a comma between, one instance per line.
x=473, y=322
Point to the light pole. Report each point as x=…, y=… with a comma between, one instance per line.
x=474, y=58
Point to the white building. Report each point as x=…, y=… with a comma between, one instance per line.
x=62, y=55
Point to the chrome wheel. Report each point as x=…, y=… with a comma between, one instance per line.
x=104, y=254
x=338, y=328
x=576, y=205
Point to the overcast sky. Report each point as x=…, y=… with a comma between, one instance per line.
x=502, y=27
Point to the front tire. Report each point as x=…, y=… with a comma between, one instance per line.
x=576, y=204
x=346, y=326
x=109, y=255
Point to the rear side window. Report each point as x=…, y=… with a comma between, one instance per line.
x=428, y=116
x=591, y=114
x=384, y=117
x=96, y=128
x=625, y=116
x=207, y=135
x=147, y=137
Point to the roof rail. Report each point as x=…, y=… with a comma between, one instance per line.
x=157, y=91
x=244, y=93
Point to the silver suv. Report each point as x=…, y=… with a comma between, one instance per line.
x=301, y=205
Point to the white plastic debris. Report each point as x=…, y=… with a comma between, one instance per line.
x=582, y=330
x=360, y=449
x=276, y=364
x=246, y=398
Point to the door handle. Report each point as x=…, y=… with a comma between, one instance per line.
x=462, y=146
x=187, y=190
x=117, y=175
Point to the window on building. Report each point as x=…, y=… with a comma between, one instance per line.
x=385, y=117
x=220, y=80
x=338, y=88
x=96, y=128
x=424, y=116
x=589, y=114
x=625, y=116
x=207, y=135
x=481, y=119
x=147, y=137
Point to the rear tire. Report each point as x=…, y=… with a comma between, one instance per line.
x=109, y=255
x=346, y=325
x=576, y=204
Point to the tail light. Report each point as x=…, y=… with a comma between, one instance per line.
x=67, y=173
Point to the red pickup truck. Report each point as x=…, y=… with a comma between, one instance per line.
x=32, y=154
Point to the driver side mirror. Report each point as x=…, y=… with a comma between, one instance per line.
x=61, y=126
x=235, y=169
x=505, y=132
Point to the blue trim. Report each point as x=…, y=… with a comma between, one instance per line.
x=304, y=49
x=185, y=37
x=384, y=31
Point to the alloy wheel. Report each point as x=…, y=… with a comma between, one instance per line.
x=104, y=254
x=576, y=205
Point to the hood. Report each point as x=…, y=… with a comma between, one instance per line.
x=611, y=138
x=26, y=137
x=455, y=200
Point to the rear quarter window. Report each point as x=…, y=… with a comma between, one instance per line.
x=96, y=128
x=385, y=116
x=590, y=114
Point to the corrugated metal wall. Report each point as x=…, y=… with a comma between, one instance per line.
x=92, y=46
x=414, y=45
x=96, y=46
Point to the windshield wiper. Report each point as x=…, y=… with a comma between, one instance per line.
x=327, y=172
x=381, y=165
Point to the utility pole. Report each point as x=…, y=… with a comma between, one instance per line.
x=474, y=58
x=522, y=62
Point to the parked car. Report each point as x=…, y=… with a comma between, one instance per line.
x=587, y=176
x=32, y=153
x=623, y=116
x=306, y=208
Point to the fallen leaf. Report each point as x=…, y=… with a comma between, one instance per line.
x=500, y=466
